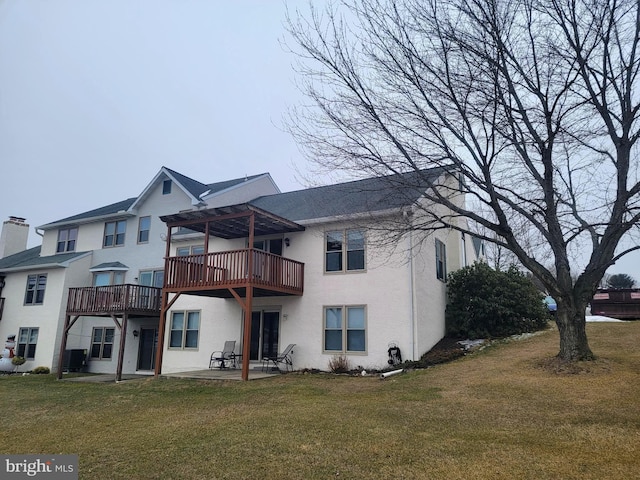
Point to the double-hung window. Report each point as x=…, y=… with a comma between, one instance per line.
x=441, y=260
x=345, y=329
x=114, y=233
x=344, y=250
x=102, y=343
x=185, y=329
x=67, y=240
x=151, y=278
x=192, y=250
x=103, y=279
x=36, y=285
x=144, y=225
x=27, y=340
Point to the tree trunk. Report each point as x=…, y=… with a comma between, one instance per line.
x=573, y=336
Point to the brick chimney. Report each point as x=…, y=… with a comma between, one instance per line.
x=13, y=238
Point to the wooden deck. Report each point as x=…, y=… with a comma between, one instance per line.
x=133, y=300
x=213, y=274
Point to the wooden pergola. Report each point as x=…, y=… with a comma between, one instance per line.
x=241, y=274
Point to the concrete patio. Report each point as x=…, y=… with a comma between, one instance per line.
x=208, y=374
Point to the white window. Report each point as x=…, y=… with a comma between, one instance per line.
x=441, y=260
x=114, y=233
x=345, y=329
x=27, y=340
x=344, y=251
x=166, y=187
x=67, y=240
x=463, y=249
x=151, y=278
x=108, y=277
x=144, y=225
x=192, y=250
x=185, y=329
x=36, y=285
x=102, y=343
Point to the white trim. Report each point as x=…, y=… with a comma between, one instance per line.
x=122, y=214
x=109, y=269
x=147, y=189
x=351, y=216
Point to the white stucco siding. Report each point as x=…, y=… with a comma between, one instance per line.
x=49, y=243
x=17, y=315
x=47, y=317
x=383, y=289
x=149, y=255
x=76, y=275
x=220, y=320
x=429, y=295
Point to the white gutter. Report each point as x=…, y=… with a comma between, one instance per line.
x=412, y=293
x=351, y=216
x=83, y=221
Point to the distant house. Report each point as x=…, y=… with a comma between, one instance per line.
x=157, y=282
x=620, y=303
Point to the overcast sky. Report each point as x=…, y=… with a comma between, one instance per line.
x=96, y=96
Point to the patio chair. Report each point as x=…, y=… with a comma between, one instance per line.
x=285, y=358
x=224, y=358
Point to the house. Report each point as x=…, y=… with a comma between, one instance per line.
x=620, y=303
x=157, y=282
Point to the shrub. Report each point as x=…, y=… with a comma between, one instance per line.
x=339, y=364
x=41, y=370
x=485, y=303
x=17, y=361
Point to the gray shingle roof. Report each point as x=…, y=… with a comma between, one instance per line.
x=193, y=186
x=360, y=196
x=98, y=212
x=196, y=188
x=32, y=258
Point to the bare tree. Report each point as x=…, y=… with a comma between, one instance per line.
x=532, y=103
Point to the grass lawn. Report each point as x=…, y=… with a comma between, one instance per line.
x=503, y=412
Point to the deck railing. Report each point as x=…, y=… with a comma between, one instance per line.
x=114, y=298
x=231, y=268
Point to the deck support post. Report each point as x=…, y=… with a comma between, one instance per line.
x=68, y=323
x=248, y=304
x=123, y=334
x=166, y=305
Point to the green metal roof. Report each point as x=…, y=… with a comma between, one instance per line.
x=31, y=258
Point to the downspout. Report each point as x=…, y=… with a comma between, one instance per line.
x=35, y=229
x=414, y=323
